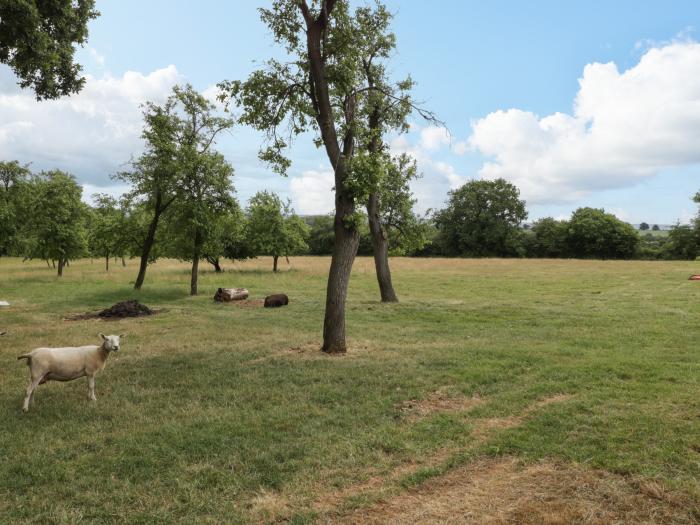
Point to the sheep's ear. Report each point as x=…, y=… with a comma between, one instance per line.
x=103, y=336
x=122, y=336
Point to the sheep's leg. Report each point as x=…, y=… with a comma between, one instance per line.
x=91, y=388
x=30, y=392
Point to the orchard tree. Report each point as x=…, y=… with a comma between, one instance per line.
x=57, y=220
x=178, y=160
x=207, y=195
x=106, y=234
x=227, y=238
x=273, y=228
x=384, y=108
x=206, y=189
x=154, y=177
x=38, y=39
x=13, y=200
x=405, y=231
x=644, y=226
x=482, y=219
x=319, y=88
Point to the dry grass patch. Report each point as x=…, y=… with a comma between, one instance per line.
x=246, y=303
x=502, y=491
x=441, y=400
x=312, y=350
x=485, y=427
x=269, y=506
x=377, y=482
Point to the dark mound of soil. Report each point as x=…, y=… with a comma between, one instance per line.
x=126, y=309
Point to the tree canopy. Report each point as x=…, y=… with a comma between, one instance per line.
x=273, y=228
x=593, y=233
x=58, y=219
x=180, y=169
x=482, y=218
x=38, y=39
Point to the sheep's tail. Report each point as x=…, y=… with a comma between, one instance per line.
x=25, y=356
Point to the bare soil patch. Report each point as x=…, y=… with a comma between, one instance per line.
x=503, y=491
x=246, y=303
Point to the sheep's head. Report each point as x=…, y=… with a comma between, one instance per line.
x=111, y=342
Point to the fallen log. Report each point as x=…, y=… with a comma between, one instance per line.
x=230, y=294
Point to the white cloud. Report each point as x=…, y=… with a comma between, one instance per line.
x=437, y=176
x=625, y=127
x=461, y=147
x=91, y=134
x=432, y=138
x=450, y=173
x=313, y=192
x=96, y=56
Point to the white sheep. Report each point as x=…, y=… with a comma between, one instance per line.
x=65, y=364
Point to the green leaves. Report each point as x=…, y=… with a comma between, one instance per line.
x=594, y=233
x=56, y=226
x=37, y=40
x=273, y=228
x=179, y=172
x=481, y=219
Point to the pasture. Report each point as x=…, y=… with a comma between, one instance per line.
x=567, y=389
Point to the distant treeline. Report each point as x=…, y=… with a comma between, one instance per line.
x=486, y=219
x=42, y=216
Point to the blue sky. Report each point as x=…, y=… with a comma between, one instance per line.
x=472, y=61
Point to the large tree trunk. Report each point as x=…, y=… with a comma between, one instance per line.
x=346, y=240
x=275, y=258
x=196, y=254
x=146, y=250
x=61, y=262
x=380, y=247
x=344, y=251
x=217, y=266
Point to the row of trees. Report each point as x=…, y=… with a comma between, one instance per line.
x=43, y=217
x=485, y=218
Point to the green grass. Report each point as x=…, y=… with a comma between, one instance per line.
x=205, y=418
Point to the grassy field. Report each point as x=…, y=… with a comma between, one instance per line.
x=531, y=371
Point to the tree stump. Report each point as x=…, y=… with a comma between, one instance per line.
x=276, y=300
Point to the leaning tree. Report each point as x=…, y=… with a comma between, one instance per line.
x=385, y=107
x=321, y=87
